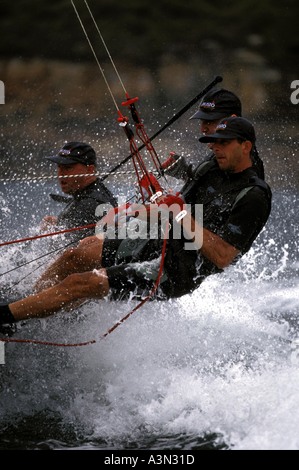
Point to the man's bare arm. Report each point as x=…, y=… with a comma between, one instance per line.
x=213, y=247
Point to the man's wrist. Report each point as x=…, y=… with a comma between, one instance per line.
x=5, y=315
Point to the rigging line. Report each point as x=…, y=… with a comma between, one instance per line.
x=106, y=48
x=116, y=325
x=46, y=343
x=48, y=177
x=171, y=121
x=96, y=57
x=150, y=294
x=36, y=237
x=35, y=259
x=131, y=104
x=140, y=128
x=123, y=121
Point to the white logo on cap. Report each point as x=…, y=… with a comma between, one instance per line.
x=64, y=153
x=208, y=105
x=221, y=126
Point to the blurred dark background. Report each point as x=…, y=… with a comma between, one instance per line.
x=165, y=52
x=143, y=32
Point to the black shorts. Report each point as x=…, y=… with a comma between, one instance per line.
x=133, y=264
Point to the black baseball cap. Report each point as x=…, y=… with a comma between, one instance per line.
x=218, y=104
x=232, y=128
x=74, y=152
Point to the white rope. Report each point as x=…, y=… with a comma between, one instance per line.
x=106, y=48
x=95, y=56
x=48, y=177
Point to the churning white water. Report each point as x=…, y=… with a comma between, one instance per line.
x=219, y=366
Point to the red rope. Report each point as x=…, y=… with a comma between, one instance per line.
x=45, y=343
x=155, y=287
x=116, y=325
x=47, y=234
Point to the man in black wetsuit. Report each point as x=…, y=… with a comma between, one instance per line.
x=76, y=168
x=236, y=206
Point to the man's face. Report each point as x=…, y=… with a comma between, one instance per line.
x=208, y=127
x=229, y=154
x=71, y=184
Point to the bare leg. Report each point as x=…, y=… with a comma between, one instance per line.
x=87, y=255
x=74, y=287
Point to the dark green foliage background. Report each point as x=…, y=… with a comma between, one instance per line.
x=142, y=31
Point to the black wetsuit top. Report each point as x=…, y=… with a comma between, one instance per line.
x=81, y=207
x=236, y=206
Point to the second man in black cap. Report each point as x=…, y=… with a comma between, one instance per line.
x=215, y=106
x=76, y=169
